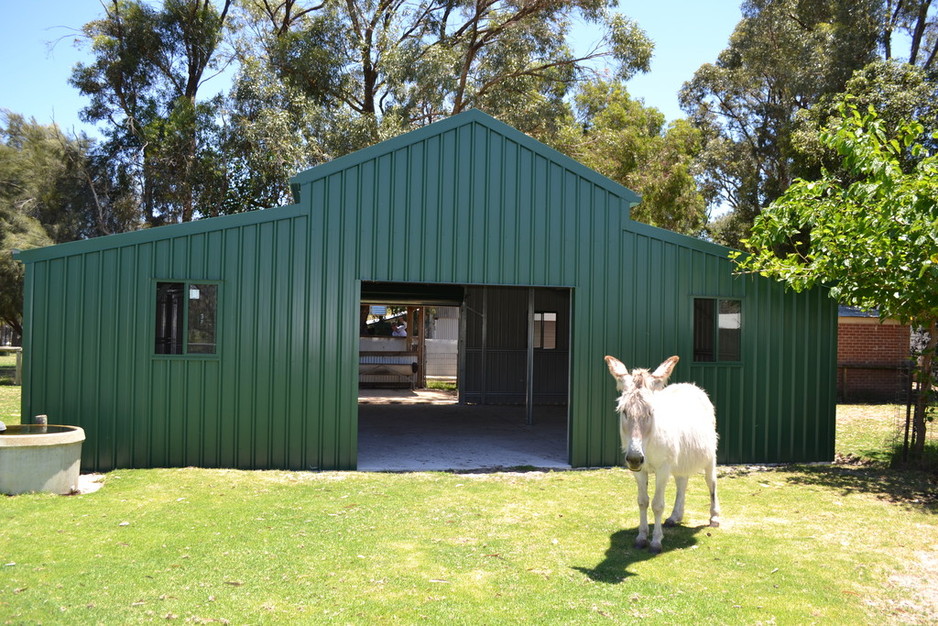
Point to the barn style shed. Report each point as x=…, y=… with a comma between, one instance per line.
x=234, y=341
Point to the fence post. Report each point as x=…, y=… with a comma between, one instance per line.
x=18, y=376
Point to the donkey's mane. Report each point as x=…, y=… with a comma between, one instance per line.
x=635, y=402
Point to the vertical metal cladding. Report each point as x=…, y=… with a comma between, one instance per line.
x=466, y=201
x=90, y=337
x=470, y=201
x=776, y=403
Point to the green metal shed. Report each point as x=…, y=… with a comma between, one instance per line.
x=233, y=341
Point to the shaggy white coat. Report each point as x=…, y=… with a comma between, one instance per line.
x=665, y=431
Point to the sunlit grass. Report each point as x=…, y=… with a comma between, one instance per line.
x=7, y=368
x=820, y=544
x=797, y=546
x=10, y=404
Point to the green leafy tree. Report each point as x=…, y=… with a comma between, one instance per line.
x=39, y=180
x=17, y=232
x=629, y=143
x=898, y=91
x=382, y=67
x=870, y=233
x=782, y=57
x=144, y=85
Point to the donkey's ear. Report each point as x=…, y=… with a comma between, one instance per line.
x=664, y=370
x=616, y=367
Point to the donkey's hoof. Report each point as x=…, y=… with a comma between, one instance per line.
x=671, y=523
x=714, y=523
x=655, y=548
x=641, y=543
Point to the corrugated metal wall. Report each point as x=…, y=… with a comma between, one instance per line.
x=776, y=404
x=467, y=201
x=91, y=361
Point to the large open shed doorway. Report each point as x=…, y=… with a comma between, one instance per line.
x=510, y=405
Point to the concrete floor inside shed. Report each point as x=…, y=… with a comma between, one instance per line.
x=424, y=430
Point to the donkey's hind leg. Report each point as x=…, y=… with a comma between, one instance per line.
x=711, y=477
x=677, y=514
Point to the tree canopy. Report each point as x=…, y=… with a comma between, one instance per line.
x=628, y=142
x=317, y=79
x=786, y=56
x=868, y=231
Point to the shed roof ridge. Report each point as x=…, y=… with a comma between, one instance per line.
x=470, y=116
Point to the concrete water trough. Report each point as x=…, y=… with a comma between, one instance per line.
x=40, y=457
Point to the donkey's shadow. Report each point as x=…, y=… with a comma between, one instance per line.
x=622, y=553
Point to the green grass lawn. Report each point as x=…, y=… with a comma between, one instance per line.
x=9, y=404
x=843, y=544
x=7, y=368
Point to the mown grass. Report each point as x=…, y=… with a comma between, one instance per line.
x=820, y=544
x=9, y=404
x=7, y=368
x=868, y=431
x=874, y=434
x=442, y=385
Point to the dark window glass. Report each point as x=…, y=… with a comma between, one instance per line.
x=186, y=318
x=717, y=330
x=169, y=318
x=704, y=335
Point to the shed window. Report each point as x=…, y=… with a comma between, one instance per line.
x=717, y=329
x=545, y=330
x=185, y=318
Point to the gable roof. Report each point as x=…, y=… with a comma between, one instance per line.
x=472, y=116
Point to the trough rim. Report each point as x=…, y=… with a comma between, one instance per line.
x=74, y=434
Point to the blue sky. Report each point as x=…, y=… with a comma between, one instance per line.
x=37, y=52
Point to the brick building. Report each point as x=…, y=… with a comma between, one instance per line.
x=873, y=358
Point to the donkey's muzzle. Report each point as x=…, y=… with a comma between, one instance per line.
x=635, y=461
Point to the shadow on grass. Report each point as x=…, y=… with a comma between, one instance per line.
x=912, y=488
x=622, y=553
x=908, y=487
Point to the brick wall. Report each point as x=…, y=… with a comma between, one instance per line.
x=872, y=359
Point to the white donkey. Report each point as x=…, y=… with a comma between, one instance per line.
x=665, y=430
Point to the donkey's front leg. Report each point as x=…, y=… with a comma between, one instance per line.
x=641, y=480
x=677, y=513
x=657, y=507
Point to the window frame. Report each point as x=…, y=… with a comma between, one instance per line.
x=715, y=330
x=186, y=284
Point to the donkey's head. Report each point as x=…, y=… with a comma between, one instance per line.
x=636, y=417
x=640, y=378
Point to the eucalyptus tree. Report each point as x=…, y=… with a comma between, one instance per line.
x=783, y=56
x=320, y=78
x=144, y=85
x=52, y=190
x=914, y=22
x=390, y=65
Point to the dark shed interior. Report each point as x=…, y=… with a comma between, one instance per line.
x=513, y=382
